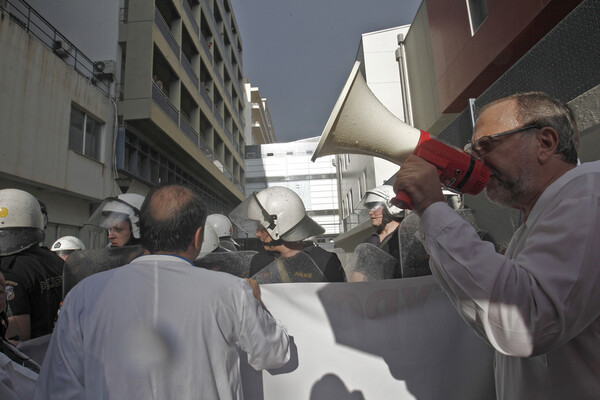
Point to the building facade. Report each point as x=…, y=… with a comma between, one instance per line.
x=358, y=173
x=461, y=55
x=115, y=96
x=259, y=125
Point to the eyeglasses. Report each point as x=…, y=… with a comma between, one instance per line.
x=485, y=144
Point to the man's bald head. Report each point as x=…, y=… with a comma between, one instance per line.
x=170, y=217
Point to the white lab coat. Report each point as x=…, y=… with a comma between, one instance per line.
x=539, y=305
x=16, y=381
x=158, y=328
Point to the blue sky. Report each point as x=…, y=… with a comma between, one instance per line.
x=300, y=52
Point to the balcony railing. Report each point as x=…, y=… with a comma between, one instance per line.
x=164, y=28
x=161, y=99
x=190, y=132
x=188, y=11
x=188, y=68
x=32, y=22
x=208, y=7
x=205, y=148
x=228, y=133
x=206, y=48
x=227, y=172
x=206, y=97
x=218, y=117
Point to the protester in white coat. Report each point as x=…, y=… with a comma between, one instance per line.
x=537, y=304
x=160, y=328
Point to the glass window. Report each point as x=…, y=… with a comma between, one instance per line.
x=477, y=13
x=76, y=130
x=85, y=133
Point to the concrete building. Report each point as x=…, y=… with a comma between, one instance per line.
x=461, y=55
x=358, y=173
x=290, y=165
x=259, y=125
x=110, y=96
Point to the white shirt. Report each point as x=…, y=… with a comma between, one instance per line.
x=16, y=381
x=539, y=304
x=158, y=328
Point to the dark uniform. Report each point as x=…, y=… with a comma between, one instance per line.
x=34, y=286
x=328, y=262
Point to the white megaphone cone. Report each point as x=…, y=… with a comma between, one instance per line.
x=360, y=124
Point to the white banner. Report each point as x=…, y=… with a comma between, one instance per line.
x=393, y=339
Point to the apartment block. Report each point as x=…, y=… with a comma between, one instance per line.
x=101, y=98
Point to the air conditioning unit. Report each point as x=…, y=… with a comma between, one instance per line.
x=105, y=69
x=62, y=49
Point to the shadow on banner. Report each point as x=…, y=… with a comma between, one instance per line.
x=413, y=327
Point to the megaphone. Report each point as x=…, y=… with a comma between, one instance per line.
x=360, y=124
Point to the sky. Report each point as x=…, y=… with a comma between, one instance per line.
x=299, y=53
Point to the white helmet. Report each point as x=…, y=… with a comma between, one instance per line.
x=66, y=243
x=280, y=211
x=210, y=242
x=221, y=224
x=21, y=221
x=124, y=206
x=380, y=196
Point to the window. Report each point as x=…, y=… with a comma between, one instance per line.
x=85, y=133
x=478, y=12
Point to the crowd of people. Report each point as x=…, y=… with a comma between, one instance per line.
x=159, y=327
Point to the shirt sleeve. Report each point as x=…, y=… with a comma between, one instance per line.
x=260, y=335
x=18, y=288
x=530, y=304
x=61, y=376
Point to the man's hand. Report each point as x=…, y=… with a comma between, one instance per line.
x=420, y=180
x=255, y=288
x=256, y=291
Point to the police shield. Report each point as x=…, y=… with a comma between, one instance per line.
x=299, y=268
x=414, y=260
x=84, y=263
x=232, y=262
x=228, y=245
x=370, y=263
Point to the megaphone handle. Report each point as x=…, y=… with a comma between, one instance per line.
x=402, y=201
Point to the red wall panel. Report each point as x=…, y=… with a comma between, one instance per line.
x=466, y=65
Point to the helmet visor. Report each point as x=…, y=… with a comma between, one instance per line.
x=250, y=217
x=110, y=214
x=13, y=240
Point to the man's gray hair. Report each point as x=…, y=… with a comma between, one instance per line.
x=541, y=110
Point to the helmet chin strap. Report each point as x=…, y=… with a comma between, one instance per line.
x=273, y=243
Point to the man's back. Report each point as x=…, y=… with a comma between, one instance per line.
x=158, y=328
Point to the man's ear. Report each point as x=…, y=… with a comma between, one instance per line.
x=199, y=238
x=548, y=143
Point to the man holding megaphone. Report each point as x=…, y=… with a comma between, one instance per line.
x=537, y=303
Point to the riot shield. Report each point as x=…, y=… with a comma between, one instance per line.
x=414, y=260
x=299, y=268
x=228, y=245
x=232, y=262
x=370, y=263
x=84, y=263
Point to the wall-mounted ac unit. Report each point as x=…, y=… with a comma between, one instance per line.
x=62, y=49
x=105, y=69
